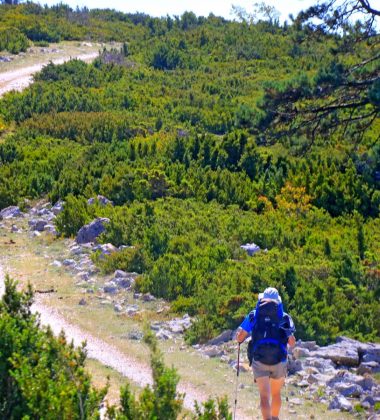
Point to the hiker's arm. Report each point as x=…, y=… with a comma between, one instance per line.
x=241, y=335
x=291, y=341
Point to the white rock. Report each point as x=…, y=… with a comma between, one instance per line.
x=212, y=351
x=299, y=352
x=56, y=263
x=110, y=288
x=10, y=212
x=340, y=403
x=58, y=207
x=163, y=335
x=120, y=274
x=118, y=307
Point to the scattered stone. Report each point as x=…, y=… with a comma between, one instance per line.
x=57, y=208
x=302, y=384
x=147, y=297
x=76, y=250
x=175, y=327
x=135, y=335
x=309, y=345
x=339, y=353
x=89, y=232
x=368, y=367
x=347, y=390
x=312, y=379
x=15, y=229
x=44, y=212
x=242, y=366
x=369, y=400
x=294, y=366
x=118, y=308
x=163, y=335
x=69, y=262
x=372, y=355
x=40, y=225
x=295, y=401
x=299, y=352
x=103, y=201
x=251, y=249
x=105, y=249
x=212, y=351
x=83, y=302
x=322, y=365
x=56, y=263
x=35, y=234
x=155, y=326
x=110, y=288
x=340, y=403
x=51, y=229
x=10, y=212
x=124, y=283
x=83, y=275
x=366, y=405
x=131, y=310
x=120, y=274
x=221, y=338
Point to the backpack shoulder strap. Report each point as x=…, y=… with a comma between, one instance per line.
x=287, y=324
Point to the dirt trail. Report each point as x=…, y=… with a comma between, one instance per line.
x=21, y=78
x=108, y=354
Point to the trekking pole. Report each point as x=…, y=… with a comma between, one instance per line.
x=237, y=380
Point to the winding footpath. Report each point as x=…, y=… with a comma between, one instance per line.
x=21, y=78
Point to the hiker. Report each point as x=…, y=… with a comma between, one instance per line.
x=271, y=331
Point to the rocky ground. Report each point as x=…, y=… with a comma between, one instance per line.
x=342, y=375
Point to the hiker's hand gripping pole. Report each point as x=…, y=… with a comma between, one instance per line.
x=237, y=380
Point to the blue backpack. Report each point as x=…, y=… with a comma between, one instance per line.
x=270, y=332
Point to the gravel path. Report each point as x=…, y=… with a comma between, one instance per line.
x=21, y=78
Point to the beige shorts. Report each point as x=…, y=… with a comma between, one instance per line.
x=271, y=371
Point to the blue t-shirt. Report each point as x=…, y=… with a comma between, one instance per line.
x=247, y=324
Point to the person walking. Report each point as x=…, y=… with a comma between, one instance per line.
x=272, y=331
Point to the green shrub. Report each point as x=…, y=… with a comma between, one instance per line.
x=12, y=40
x=74, y=215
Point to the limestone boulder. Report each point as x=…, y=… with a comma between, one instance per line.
x=110, y=288
x=91, y=231
x=10, y=212
x=103, y=201
x=340, y=403
x=57, y=208
x=339, y=353
x=221, y=338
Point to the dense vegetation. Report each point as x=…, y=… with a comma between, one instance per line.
x=179, y=130
x=43, y=376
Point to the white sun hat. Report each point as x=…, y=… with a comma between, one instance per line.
x=270, y=293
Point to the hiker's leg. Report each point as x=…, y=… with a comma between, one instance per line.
x=264, y=390
x=275, y=389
